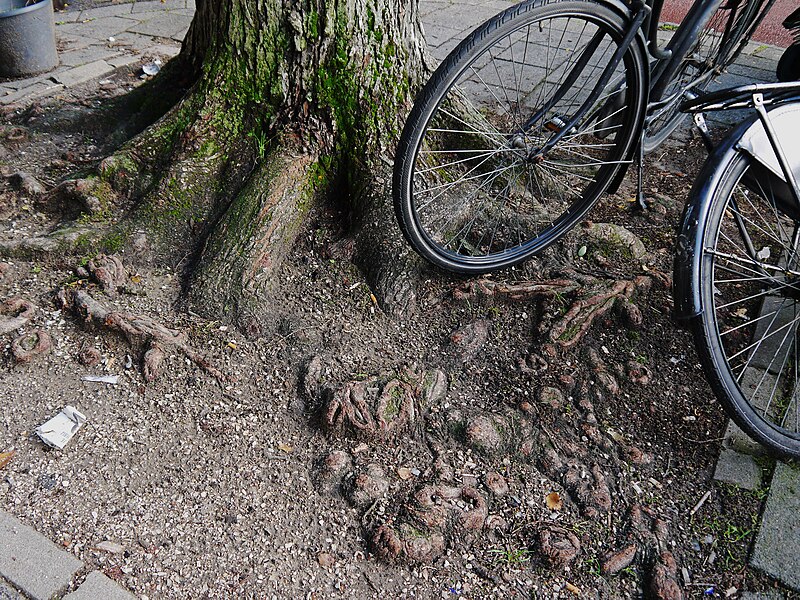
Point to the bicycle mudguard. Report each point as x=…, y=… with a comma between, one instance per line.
x=750, y=138
x=786, y=121
x=689, y=241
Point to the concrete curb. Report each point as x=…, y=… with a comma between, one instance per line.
x=42, y=570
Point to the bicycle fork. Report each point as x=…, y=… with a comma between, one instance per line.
x=536, y=155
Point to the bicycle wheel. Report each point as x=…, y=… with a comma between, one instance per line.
x=749, y=280
x=693, y=74
x=718, y=44
x=470, y=193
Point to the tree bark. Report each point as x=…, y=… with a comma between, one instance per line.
x=291, y=101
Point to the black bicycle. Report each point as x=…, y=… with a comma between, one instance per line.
x=737, y=265
x=540, y=111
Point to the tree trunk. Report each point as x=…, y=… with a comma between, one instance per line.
x=291, y=102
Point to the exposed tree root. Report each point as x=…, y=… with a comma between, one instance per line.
x=140, y=331
x=596, y=297
x=30, y=345
x=434, y=518
x=249, y=243
x=15, y=313
x=377, y=408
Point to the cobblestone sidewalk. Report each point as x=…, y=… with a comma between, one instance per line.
x=94, y=42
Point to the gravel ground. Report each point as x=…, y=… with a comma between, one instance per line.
x=508, y=466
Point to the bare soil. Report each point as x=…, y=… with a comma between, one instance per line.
x=503, y=463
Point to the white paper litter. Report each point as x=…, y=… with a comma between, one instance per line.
x=59, y=430
x=110, y=379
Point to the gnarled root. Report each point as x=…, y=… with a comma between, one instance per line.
x=15, y=313
x=139, y=330
x=373, y=409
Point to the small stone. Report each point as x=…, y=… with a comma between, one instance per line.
x=89, y=356
x=111, y=547
x=325, y=560
x=496, y=484
x=482, y=434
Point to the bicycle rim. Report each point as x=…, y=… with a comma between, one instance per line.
x=751, y=298
x=468, y=197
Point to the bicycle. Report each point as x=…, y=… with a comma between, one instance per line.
x=737, y=264
x=539, y=111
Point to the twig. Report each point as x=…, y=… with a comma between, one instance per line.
x=697, y=506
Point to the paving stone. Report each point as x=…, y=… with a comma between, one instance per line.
x=7, y=592
x=738, y=469
x=124, y=60
x=157, y=6
x=770, y=595
x=115, y=10
x=98, y=586
x=163, y=50
x=32, y=562
x=736, y=439
x=76, y=58
x=22, y=93
x=83, y=73
x=67, y=41
x=166, y=25
x=132, y=41
x=67, y=17
x=777, y=547
x=98, y=29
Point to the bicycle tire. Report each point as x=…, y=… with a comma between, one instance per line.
x=465, y=129
x=717, y=52
x=746, y=333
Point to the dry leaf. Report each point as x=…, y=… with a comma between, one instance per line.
x=554, y=501
x=5, y=457
x=285, y=448
x=404, y=473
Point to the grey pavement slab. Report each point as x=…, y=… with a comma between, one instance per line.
x=738, y=440
x=166, y=25
x=75, y=58
x=97, y=586
x=7, y=592
x=32, y=562
x=777, y=547
x=156, y=6
x=738, y=469
x=115, y=10
x=97, y=29
x=83, y=73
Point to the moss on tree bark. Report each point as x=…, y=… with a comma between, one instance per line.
x=287, y=104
